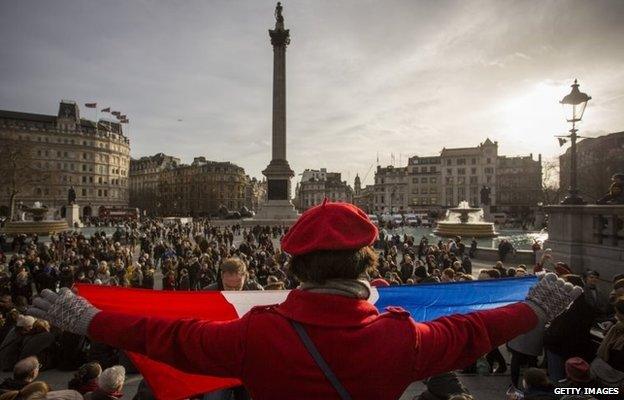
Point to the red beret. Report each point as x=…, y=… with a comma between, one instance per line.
x=330, y=226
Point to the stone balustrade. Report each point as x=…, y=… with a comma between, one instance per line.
x=588, y=237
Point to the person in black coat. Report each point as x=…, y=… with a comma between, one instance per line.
x=569, y=334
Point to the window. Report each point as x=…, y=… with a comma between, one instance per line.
x=423, y=180
x=433, y=180
x=99, y=192
x=461, y=171
x=449, y=171
x=461, y=161
x=473, y=171
x=449, y=162
x=84, y=192
x=432, y=169
x=473, y=161
x=414, y=180
x=489, y=160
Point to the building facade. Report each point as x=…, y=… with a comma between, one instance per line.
x=597, y=160
x=201, y=189
x=423, y=183
x=92, y=157
x=255, y=193
x=316, y=185
x=390, y=191
x=465, y=171
x=364, y=197
x=518, y=183
x=434, y=183
x=144, y=178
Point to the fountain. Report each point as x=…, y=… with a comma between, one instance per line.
x=465, y=221
x=37, y=225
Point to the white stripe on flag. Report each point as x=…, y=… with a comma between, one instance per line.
x=243, y=301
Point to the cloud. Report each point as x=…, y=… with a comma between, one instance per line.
x=363, y=77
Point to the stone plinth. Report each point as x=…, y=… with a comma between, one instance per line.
x=276, y=211
x=588, y=237
x=73, y=216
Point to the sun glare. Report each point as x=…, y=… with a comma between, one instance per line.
x=534, y=116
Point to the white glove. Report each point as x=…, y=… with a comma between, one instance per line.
x=64, y=310
x=551, y=296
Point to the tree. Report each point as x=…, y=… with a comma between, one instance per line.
x=551, y=190
x=18, y=172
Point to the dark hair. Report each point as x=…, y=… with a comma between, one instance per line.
x=535, y=377
x=493, y=273
x=319, y=266
x=233, y=264
x=574, y=279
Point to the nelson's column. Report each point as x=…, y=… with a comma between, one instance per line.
x=278, y=172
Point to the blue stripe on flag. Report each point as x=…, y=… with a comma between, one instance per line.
x=428, y=301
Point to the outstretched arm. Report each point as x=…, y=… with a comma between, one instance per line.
x=194, y=346
x=456, y=341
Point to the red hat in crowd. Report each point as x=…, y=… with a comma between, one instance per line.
x=577, y=370
x=330, y=226
x=379, y=282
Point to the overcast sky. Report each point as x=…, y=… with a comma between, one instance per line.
x=363, y=77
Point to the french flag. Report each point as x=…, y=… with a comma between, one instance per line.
x=425, y=302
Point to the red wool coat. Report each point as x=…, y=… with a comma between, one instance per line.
x=375, y=356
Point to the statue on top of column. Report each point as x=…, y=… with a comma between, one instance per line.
x=278, y=16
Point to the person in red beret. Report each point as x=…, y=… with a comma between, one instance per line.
x=578, y=375
x=326, y=340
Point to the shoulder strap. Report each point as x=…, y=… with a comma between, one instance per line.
x=329, y=374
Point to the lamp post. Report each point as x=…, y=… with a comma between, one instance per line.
x=574, y=106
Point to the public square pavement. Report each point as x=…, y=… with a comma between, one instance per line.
x=481, y=387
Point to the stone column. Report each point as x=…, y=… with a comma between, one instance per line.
x=279, y=100
x=278, y=172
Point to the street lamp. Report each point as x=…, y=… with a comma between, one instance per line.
x=574, y=106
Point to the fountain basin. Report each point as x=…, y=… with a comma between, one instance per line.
x=466, y=230
x=41, y=228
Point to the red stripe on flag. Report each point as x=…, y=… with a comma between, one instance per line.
x=164, y=380
x=107, y=109
x=90, y=105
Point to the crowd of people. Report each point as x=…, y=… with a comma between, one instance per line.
x=152, y=254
